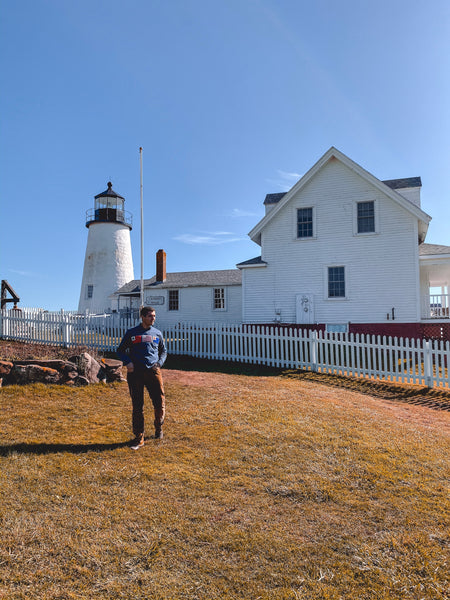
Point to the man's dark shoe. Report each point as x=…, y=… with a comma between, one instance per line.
x=159, y=435
x=138, y=442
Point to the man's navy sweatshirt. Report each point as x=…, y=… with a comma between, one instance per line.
x=145, y=348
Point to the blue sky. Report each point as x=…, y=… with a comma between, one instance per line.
x=230, y=100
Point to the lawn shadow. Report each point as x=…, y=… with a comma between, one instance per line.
x=189, y=363
x=24, y=448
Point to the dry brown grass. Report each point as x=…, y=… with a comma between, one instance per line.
x=264, y=487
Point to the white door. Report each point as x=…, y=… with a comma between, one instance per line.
x=305, y=308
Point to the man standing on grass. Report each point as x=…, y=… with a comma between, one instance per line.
x=143, y=352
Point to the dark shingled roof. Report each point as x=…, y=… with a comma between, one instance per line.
x=394, y=184
x=432, y=249
x=109, y=192
x=252, y=261
x=399, y=184
x=186, y=279
x=273, y=198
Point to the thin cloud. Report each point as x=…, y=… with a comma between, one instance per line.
x=22, y=273
x=238, y=213
x=285, y=180
x=208, y=239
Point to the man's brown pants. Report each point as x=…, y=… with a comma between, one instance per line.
x=152, y=380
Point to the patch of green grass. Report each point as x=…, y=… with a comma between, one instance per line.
x=263, y=487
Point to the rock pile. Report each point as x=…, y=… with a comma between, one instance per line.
x=81, y=369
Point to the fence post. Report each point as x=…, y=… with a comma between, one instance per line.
x=313, y=352
x=218, y=341
x=427, y=364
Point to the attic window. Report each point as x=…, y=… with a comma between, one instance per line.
x=366, y=217
x=305, y=224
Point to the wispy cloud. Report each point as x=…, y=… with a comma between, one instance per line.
x=23, y=273
x=238, y=213
x=285, y=180
x=208, y=238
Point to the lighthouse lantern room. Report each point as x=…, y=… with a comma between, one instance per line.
x=108, y=262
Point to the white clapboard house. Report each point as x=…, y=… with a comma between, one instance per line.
x=340, y=251
x=194, y=296
x=345, y=251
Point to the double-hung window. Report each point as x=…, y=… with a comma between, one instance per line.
x=174, y=300
x=336, y=282
x=219, y=299
x=305, y=223
x=89, y=291
x=365, y=217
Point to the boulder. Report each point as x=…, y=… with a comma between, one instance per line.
x=80, y=380
x=113, y=369
x=87, y=367
x=5, y=367
x=68, y=370
x=23, y=374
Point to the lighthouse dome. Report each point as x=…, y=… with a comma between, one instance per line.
x=109, y=208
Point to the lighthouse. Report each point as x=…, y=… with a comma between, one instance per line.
x=108, y=262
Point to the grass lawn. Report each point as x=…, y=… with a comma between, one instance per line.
x=264, y=487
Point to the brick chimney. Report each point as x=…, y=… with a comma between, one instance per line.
x=160, y=266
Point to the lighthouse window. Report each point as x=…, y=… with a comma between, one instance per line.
x=174, y=300
x=90, y=291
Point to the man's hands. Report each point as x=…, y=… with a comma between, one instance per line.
x=130, y=367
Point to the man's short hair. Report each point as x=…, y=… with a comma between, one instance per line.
x=145, y=310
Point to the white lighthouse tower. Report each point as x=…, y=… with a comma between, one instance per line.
x=108, y=263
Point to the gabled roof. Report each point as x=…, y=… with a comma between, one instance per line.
x=185, y=279
x=281, y=200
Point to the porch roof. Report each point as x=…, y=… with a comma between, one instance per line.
x=434, y=262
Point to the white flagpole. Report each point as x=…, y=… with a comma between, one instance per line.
x=142, y=232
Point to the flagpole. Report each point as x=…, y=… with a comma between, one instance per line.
x=142, y=232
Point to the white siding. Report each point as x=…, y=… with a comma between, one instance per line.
x=196, y=304
x=411, y=194
x=382, y=269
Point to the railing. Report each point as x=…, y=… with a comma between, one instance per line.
x=373, y=357
x=436, y=306
x=112, y=215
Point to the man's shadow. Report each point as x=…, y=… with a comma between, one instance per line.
x=25, y=448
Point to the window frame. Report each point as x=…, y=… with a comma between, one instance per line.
x=313, y=235
x=172, y=300
x=356, y=218
x=223, y=299
x=327, y=283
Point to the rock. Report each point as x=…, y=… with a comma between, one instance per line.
x=87, y=367
x=113, y=369
x=68, y=370
x=5, y=367
x=80, y=380
x=23, y=374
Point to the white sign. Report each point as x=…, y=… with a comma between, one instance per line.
x=154, y=300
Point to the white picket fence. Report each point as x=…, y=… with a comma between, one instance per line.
x=373, y=357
